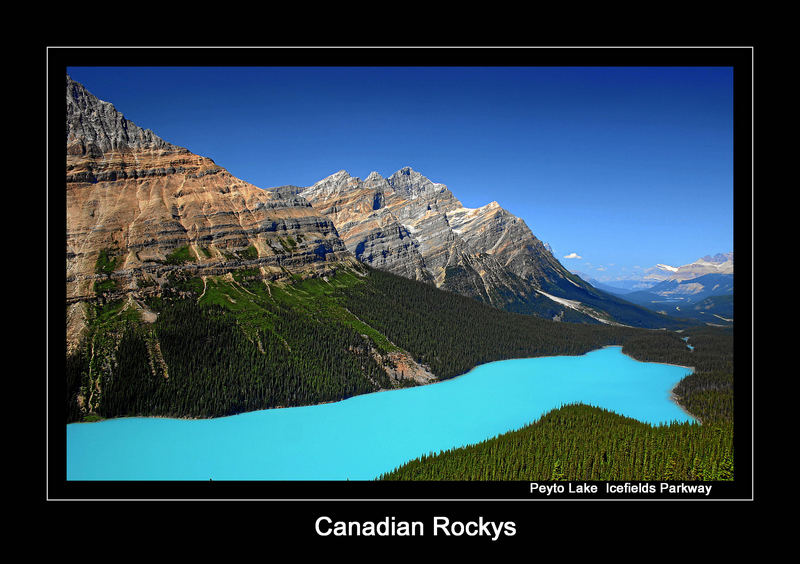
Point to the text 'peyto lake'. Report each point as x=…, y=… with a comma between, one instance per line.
x=365, y=436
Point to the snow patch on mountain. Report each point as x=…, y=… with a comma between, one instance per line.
x=577, y=306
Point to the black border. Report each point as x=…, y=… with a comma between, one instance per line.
x=58, y=58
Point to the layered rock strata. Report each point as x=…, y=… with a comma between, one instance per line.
x=139, y=207
x=411, y=226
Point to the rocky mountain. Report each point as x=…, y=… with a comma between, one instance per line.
x=414, y=227
x=719, y=258
x=721, y=263
x=139, y=207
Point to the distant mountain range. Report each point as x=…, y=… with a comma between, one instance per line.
x=721, y=263
x=616, y=287
x=701, y=290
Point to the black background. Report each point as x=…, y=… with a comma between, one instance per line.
x=238, y=514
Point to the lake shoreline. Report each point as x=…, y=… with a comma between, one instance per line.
x=674, y=399
x=188, y=418
x=359, y=440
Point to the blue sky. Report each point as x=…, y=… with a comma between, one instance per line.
x=624, y=167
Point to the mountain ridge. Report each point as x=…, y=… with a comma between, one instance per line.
x=443, y=232
x=708, y=297
x=721, y=263
x=95, y=126
x=411, y=226
x=140, y=209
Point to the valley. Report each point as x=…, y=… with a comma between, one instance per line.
x=702, y=290
x=192, y=294
x=366, y=435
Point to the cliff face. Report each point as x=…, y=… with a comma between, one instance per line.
x=416, y=228
x=137, y=206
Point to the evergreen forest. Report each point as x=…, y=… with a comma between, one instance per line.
x=226, y=345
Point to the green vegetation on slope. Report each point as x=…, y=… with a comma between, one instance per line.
x=105, y=262
x=230, y=344
x=85, y=368
x=180, y=255
x=250, y=253
x=213, y=369
x=104, y=286
x=224, y=346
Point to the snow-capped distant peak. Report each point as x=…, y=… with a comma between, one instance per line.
x=721, y=263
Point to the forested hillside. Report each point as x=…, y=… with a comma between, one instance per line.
x=226, y=345
x=220, y=347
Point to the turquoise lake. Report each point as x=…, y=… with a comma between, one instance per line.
x=365, y=436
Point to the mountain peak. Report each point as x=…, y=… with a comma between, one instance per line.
x=340, y=181
x=412, y=183
x=95, y=127
x=373, y=176
x=718, y=258
x=337, y=175
x=334, y=179
x=409, y=172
